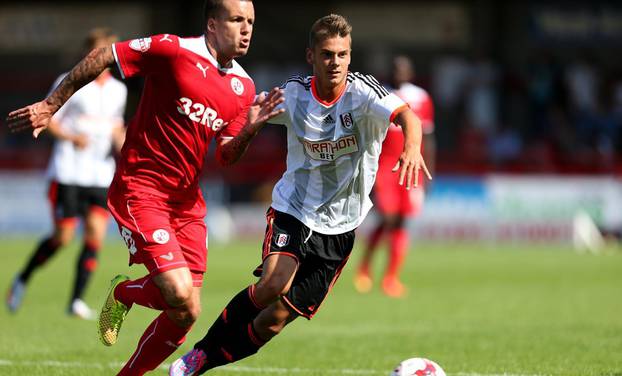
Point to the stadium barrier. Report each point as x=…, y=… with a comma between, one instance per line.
x=494, y=208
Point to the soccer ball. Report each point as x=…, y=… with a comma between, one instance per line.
x=418, y=367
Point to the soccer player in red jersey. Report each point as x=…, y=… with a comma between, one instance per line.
x=394, y=204
x=194, y=92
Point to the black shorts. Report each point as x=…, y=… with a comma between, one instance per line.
x=320, y=259
x=71, y=201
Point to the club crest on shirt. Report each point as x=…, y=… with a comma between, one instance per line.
x=161, y=236
x=282, y=240
x=347, y=120
x=140, y=45
x=237, y=86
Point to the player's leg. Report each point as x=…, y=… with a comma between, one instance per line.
x=63, y=200
x=232, y=335
x=179, y=281
x=411, y=204
x=164, y=335
x=362, y=279
x=386, y=204
x=95, y=226
x=145, y=226
x=398, y=246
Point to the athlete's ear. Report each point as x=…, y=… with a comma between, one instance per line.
x=309, y=56
x=211, y=25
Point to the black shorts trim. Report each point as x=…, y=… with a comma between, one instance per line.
x=72, y=201
x=320, y=258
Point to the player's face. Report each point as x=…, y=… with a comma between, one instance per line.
x=233, y=27
x=330, y=59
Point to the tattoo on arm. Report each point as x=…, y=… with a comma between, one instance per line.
x=233, y=150
x=84, y=72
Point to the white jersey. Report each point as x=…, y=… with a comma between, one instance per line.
x=332, y=151
x=94, y=110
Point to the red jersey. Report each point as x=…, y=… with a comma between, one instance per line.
x=421, y=104
x=187, y=100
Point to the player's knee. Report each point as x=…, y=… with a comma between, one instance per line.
x=63, y=238
x=178, y=292
x=186, y=316
x=272, y=330
x=269, y=290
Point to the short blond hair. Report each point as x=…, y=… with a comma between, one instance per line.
x=329, y=26
x=98, y=35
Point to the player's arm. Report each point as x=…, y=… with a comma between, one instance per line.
x=230, y=150
x=37, y=116
x=56, y=130
x=118, y=136
x=411, y=160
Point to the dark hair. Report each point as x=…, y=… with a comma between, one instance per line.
x=329, y=26
x=212, y=7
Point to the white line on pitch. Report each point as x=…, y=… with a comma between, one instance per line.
x=231, y=368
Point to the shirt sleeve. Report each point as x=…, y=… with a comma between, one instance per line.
x=235, y=126
x=145, y=56
x=381, y=104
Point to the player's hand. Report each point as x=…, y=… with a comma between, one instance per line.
x=409, y=164
x=263, y=109
x=80, y=141
x=36, y=117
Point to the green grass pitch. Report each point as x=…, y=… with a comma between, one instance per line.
x=476, y=310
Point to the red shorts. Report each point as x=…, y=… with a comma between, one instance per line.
x=392, y=198
x=160, y=234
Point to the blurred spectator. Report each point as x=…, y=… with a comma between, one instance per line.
x=482, y=95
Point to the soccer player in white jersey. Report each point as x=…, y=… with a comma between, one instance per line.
x=87, y=130
x=336, y=121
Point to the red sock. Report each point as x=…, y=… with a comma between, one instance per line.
x=397, y=252
x=159, y=341
x=372, y=244
x=141, y=291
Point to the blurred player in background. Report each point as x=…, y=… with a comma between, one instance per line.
x=394, y=204
x=86, y=129
x=194, y=92
x=336, y=121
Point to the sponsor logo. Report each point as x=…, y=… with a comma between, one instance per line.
x=199, y=113
x=282, y=240
x=328, y=120
x=126, y=234
x=168, y=256
x=237, y=86
x=140, y=45
x=347, y=120
x=161, y=236
x=331, y=150
x=166, y=38
x=202, y=69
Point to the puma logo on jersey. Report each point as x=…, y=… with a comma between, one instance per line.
x=331, y=150
x=203, y=69
x=200, y=113
x=166, y=38
x=168, y=256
